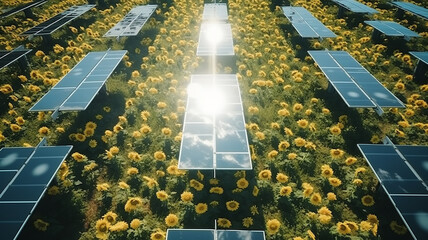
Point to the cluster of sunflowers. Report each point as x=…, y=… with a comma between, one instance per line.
x=122, y=180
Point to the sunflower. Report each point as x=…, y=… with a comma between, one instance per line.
x=326, y=171
x=102, y=227
x=398, y=229
x=232, y=205
x=41, y=225
x=135, y=223
x=242, y=183
x=78, y=157
x=297, y=107
x=133, y=203
x=216, y=190
x=365, y=226
x=15, y=127
x=272, y=154
x=110, y=217
x=285, y=191
x=171, y=220
x=335, y=182
x=159, y=155
x=343, y=228
x=299, y=142
x=255, y=191
x=103, y=187
x=265, y=174
x=196, y=185
x=283, y=145
x=166, y=131
x=335, y=130
x=157, y=236
x=316, y=199
x=119, y=227
x=350, y=161
x=162, y=195
x=367, y=200
x=186, y=196
x=372, y=219
x=247, y=222
x=336, y=153
x=80, y=137
x=224, y=223
x=331, y=196
x=272, y=226
x=302, y=123
x=352, y=225
x=201, y=208
x=89, y=132
x=281, y=177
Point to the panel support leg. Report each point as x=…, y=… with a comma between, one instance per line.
x=376, y=36
x=399, y=13
x=23, y=63
x=29, y=13
x=47, y=40
x=379, y=110
x=55, y=114
x=341, y=12
x=419, y=73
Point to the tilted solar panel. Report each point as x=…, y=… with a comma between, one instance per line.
x=355, y=6
x=58, y=21
x=132, y=23
x=215, y=39
x=22, y=8
x=215, y=11
x=392, y=29
x=422, y=56
x=78, y=88
x=415, y=9
x=8, y=57
x=214, y=134
x=305, y=24
x=356, y=86
x=208, y=234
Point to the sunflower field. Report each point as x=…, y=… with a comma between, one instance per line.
x=121, y=181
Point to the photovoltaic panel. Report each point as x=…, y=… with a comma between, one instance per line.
x=355, y=6
x=214, y=134
x=356, y=86
x=422, y=56
x=215, y=11
x=22, y=8
x=78, y=88
x=392, y=29
x=13, y=158
x=414, y=211
x=209, y=234
x=215, y=39
x=410, y=7
x=8, y=57
x=417, y=156
x=306, y=24
x=58, y=21
x=132, y=23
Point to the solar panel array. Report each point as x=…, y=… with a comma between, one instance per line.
x=49, y=26
x=215, y=11
x=356, y=86
x=355, y=6
x=25, y=173
x=403, y=174
x=410, y=7
x=8, y=57
x=78, y=88
x=392, y=29
x=422, y=56
x=209, y=234
x=24, y=7
x=216, y=39
x=214, y=134
x=306, y=24
x=132, y=23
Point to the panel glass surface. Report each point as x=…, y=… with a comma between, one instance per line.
x=183, y=234
x=52, y=99
x=51, y=151
x=231, y=141
x=199, y=128
x=414, y=210
x=82, y=97
x=405, y=31
x=39, y=171
x=15, y=211
x=5, y=178
x=229, y=122
x=345, y=60
x=415, y=9
x=240, y=235
x=233, y=161
x=352, y=95
x=14, y=158
x=380, y=95
x=10, y=229
x=417, y=156
x=404, y=187
x=305, y=24
x=9, y=57
x=323, y=59
x=22, y=8
x=336, y=75
x=215, y=11
x=23, y=193
x=196, y=152
x=355, y=6
x=423, y=56
x=385, y=29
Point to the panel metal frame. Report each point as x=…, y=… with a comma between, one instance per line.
x=213, y=134
x=69, y=14
x=20, y=49
x=355, y=6
x=22, y=8
x=390, y=25
x=135, y=18
x=412, y=8
x=296, y=18
x=215, y=231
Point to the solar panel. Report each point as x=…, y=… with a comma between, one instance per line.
x=78, y=88
x=58, y=21
x=417, y=156
x=421, y=67
x=208, y=234
x=422, y=56
x=306, y=24
x=132, y=23
x=356, y=86
x=24, y=8
x=392, y=29
x=8, y=57
x=215, y=39
x=410, y=7
x=214, y=134
x=414, y=211
x=215, y=11
x=355, y=6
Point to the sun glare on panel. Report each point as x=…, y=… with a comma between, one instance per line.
x=210, y=100
x=214, y=33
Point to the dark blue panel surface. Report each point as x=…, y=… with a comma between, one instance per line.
x=9, y=230
x=353, y=95
x=323, y=59
x=23, y=193
x=404, y=187
x=423, y=56
x=5, y=179
x=380, y=95
x=417, y=156
x=14, y=158
x=240, y=235
x=82, y=96
x=355, y=6
x=52, y=99
x=183, y=234
x=415, y=9
x=15, y=211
